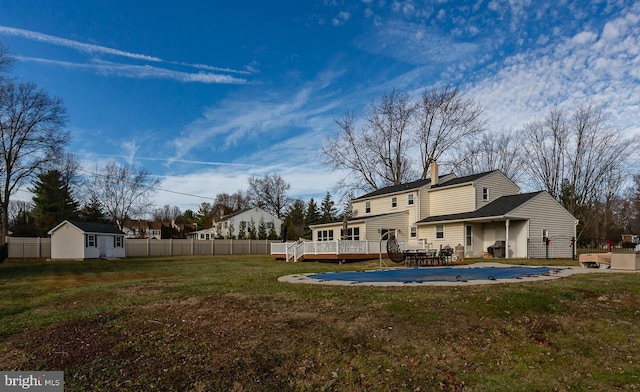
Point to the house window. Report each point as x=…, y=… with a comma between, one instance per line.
x=117, y=242
x=485, y=194
x=385, y=236
x=353, y=233
x=394, y=202
x=469, y=237
x=367, y=207
x=410, y=199
x=439, y=231
x=208, y=236
x=414, y=232
x=91, y=241
x=202, y=236
x=325, y=235
x=269, y=225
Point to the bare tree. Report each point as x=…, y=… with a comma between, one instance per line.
x=545, y=151
x=579, y=158
x=31, y=134
x=376, y=153
x=270, y=193
x=123, y=191
x=493, y=151
x=166, y=213
x=227, y=203
x=6, y=62
x=396, y=131
x=444, y=119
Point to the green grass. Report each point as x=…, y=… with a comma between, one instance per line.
x=225, y=323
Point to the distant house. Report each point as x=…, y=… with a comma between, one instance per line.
x=79, y=240
x=632, y=238
x=230, y=225
x=202, y=235
x=474, y=211
x=147, y=229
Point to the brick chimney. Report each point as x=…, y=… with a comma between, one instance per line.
x=434, y=173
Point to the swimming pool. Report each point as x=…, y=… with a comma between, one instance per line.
x=434, y=274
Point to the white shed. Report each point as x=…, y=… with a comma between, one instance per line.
x=79, y=240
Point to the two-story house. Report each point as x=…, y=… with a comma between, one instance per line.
x=474, y=211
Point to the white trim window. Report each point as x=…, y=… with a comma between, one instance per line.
x=440, y=231
x=485, y=194
x=394, y=202
x=325, y=235
x=90, y=241
x=367, y=207
x=117, y=241
x=353, y=234
x=410, y=199
x=413, y=231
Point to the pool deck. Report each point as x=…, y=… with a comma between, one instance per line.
x=556, y=273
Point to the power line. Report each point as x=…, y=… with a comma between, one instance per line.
x=153, y=187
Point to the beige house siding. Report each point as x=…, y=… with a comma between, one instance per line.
x=497, y=184
x=68, y=243
x=380, y=205
x=453, y=235
x=423, y=204
x=452, y=200
x=374, y=227
x=547, y=214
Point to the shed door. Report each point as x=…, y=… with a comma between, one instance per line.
x=106, y=249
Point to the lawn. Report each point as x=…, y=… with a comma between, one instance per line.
x=224, y=323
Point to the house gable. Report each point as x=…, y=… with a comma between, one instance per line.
x=232, y=221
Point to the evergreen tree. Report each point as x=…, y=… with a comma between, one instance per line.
x=347, y=209
x=295, y=220
x=272, y=231
x=92, y=211
x=262, y=229
x=242, y=230
x=230, y=231
x=311, y=217
x=328, y=209
x=52, y=201
x=252, y=230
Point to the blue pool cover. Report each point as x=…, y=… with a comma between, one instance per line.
x=437, y=274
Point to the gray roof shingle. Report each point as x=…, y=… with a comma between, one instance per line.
x=94, y=227
x=498, y=207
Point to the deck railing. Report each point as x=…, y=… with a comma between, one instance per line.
x=293, y=251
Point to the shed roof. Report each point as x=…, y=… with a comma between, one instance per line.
x=91, y=227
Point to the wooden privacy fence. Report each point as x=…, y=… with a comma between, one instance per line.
x=24, y=247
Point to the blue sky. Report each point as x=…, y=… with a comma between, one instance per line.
x=206, y=94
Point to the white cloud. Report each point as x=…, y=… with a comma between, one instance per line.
x=415, y=44
x=97, y=49
x=576, y=70
x=141, y=71
x=341, y=18
x=88, y=48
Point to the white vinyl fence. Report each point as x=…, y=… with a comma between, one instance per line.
x=24, y=247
